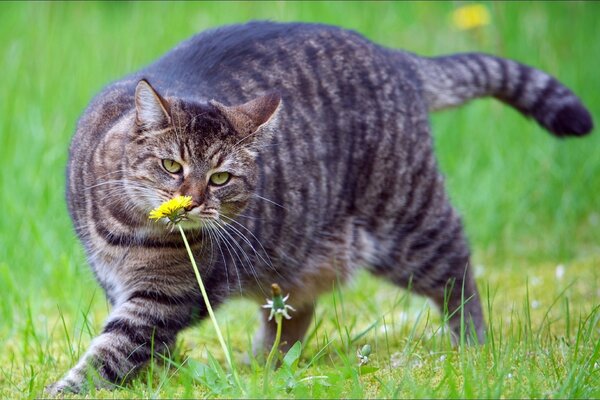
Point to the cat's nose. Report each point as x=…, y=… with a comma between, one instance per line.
x=198, y=199
x=196, y=192
x=193, y=205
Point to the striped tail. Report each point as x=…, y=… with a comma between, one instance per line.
x=452, y=80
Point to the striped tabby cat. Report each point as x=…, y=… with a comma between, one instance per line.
x=307, y=152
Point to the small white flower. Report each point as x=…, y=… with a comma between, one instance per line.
x=535, y=304
x=479, y=270
x=560, y=271
x=363, y=354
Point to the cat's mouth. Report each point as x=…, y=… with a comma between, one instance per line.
x=203, y=213
x=197, y=218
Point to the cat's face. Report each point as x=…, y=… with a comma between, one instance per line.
x=206, y=151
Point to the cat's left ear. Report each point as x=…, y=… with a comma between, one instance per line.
x=151, y=110
x=253, y=116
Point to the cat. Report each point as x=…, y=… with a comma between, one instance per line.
x=307, y=152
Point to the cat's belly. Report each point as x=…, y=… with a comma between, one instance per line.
x=333, y=262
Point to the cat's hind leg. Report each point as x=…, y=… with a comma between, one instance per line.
x=433, y=260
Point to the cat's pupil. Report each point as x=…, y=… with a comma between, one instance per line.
x=171, y=166
x=219, y=178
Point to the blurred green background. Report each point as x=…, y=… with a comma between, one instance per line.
x=527, y=198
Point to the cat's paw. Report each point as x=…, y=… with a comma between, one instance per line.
x=61, y=387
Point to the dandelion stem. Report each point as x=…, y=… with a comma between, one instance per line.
x=208, y=306
x=274, y=349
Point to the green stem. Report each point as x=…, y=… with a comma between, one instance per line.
x=274, y=349
x=208, y=306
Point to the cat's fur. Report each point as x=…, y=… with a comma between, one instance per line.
x=327, y=138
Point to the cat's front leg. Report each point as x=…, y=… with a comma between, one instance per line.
x=146, y=322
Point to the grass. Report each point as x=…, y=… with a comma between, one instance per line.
x=530, y=204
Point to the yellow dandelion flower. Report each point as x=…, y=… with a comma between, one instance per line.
x=173, y=209
x=471, y=16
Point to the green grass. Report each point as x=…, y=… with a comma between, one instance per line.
x=530, y=202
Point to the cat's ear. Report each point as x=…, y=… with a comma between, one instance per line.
x=252, y=116
x=151, y=110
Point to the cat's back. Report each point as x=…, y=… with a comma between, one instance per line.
x=232, y=63
x=249, y=50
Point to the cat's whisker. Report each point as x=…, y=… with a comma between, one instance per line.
x=111, y=182
x=236, y=144
x=224, y=230
x=228, y=240
x=115, y=193
x=257, y=147
x=209, y=231
x=118, y=171
x=266, y=261
x=267, y=200
x=250, y=217
x=250, y=264
x=229, y=250
x=127, y=205
x=228, y=219
x=140, y=190
x=213, y=228
x=120, y=184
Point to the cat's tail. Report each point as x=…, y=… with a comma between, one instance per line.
x=453, y=80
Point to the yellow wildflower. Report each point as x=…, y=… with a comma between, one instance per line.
x=471, y=16
x=173, y=209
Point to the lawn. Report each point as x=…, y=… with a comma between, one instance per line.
x=531, y=205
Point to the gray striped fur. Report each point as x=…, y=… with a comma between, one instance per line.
x=333, y=170
x=452, y=80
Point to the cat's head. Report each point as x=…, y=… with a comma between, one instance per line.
x=204, y=150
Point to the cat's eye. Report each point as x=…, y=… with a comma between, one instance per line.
x=171, y=166
x=220, y=178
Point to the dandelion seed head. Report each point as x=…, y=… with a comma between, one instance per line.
x=277, y=304
x=363, y=354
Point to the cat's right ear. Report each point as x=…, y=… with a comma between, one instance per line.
x=151, y=110
x=249, y=118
